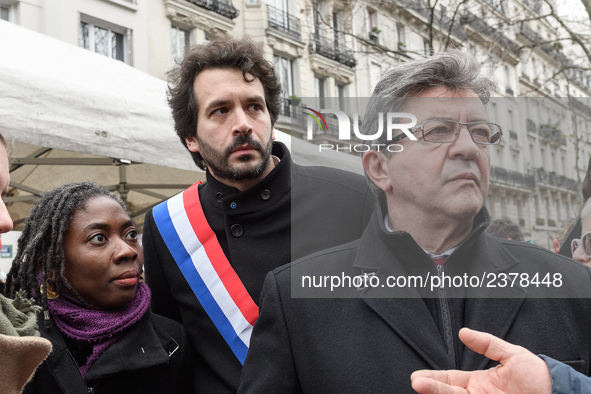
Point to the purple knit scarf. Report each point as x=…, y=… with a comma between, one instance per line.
x=100, y=328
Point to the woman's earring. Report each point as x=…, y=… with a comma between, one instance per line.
x=51, y=294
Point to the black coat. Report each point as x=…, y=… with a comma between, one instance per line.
x=279, y=221
x=368, y=342
x=153, y=356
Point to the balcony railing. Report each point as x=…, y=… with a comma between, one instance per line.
x=580, y=105
x=530, y=33
x=530, y=125
x=292, y=113
x=497, y=5
x=222, y=7
x=483, y=27
x=332, y=50
x=553, y=179
x=515, y=178
x=282, y=21
x=552, y=133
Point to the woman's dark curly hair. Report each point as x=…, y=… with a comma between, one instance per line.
x=228, y=52
x=40, y=247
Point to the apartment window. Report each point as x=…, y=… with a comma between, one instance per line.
x=503, y=206
x=107, y=41
x=515, y=162
x=179, y=43
x=4, y=12
x=372, y=23
x=500, y=156
x=284, y=70
x=281, y=5
x=375, y=72
x=317, y=20
x=338, y=28
x=511, y=121
x=341, y=93
x=563, y=165
x=320, y=91
x=372, y=19
x=401, y=34
x=534, y=67
x=494, y=112
x=532, y=156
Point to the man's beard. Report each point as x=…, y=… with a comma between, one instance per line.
x=219, y=165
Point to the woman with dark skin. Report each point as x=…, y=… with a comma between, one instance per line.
x=79, y=256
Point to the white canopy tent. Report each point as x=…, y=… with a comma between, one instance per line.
x=70, y=110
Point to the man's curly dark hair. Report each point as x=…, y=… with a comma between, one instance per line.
x=227, y=52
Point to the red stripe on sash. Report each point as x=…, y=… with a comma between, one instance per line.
x=216, y=255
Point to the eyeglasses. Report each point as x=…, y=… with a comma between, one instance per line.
x=584, y=241
x=447, y=131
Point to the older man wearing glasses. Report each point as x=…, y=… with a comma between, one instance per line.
x=363, y=316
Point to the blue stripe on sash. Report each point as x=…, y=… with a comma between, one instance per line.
x=185, y=264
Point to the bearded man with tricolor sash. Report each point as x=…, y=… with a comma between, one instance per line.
x=208, y=249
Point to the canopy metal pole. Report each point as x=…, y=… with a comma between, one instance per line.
x=122, y=187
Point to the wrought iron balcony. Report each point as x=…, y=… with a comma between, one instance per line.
x=530, y=125
x=332, y=50
x=222, y=7
x=553, y=179
x=529, y=33
x=580, y=105
x=498, y=36
x=292, y=113
x=497, y=5
x=284, y=22
x=552, y=133
x=515, y=178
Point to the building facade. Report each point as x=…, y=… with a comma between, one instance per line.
x=332, y=53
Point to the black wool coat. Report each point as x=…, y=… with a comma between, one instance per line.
x=370, y=339
x=153, y=356
x=293, y=211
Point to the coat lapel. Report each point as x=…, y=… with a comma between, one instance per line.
x=484, y=310
x=405, y=311
x=61, y=362
x=411, y=320
x=139, y=348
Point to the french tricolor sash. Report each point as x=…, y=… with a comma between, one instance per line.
x=198, y=254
